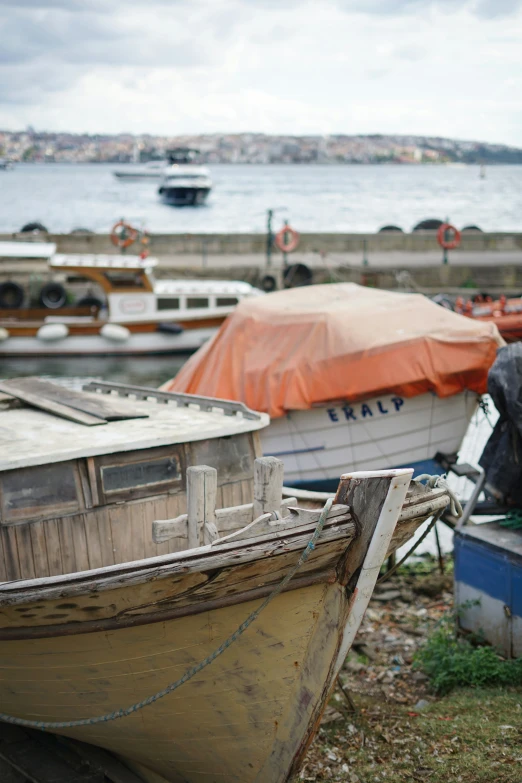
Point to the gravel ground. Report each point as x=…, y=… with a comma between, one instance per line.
x=384, y=723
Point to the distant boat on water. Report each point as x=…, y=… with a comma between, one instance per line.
x=185, y=182
x=5, y=164
x=137, y=172
x=482, y=173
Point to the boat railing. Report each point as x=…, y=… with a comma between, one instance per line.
x=204, y=524
x=229, y=407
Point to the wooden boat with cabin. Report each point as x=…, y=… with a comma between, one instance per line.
x=118, y=308
x=159, y=598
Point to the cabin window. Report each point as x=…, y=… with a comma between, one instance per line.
x=47, y=490
x=125, y=279
x=139, y=475
x=171, y=303
x=196, y=301
x=226, y=301
x=232, y=456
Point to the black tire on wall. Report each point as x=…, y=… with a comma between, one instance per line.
x=268, y=284
x=52, y=296
x=11, y=296
x=385, y=229
x=35, y=226
x=430, y=224
x=297, y=275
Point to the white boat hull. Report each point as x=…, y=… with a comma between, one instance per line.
x=145, y=177
x=318, y=445
x=182, y=196
x=96, y=345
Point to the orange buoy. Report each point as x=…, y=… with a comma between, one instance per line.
x=123, y=234
x=443, y=231
x=287, y=239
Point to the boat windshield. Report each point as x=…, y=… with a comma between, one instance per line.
x=180, y=175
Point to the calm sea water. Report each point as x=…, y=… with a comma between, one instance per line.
x=314, y=198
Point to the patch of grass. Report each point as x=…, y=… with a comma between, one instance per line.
x=470, y=736
x=452, y=662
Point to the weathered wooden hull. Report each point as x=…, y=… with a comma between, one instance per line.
x=420, y=505
x=86, y=644
x=242, y=719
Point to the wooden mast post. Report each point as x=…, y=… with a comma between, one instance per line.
x=201, y=505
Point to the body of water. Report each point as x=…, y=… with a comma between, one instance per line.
x=344, y=198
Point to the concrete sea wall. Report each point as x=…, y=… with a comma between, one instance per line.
x=246, y=244
x=485, y=261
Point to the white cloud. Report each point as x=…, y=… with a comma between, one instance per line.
x=445, y=67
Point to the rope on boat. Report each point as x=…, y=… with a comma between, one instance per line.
x=455, y=507
x=125, y=712
x=440, y=481
x=411, y=550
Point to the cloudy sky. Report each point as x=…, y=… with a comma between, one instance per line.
x=445, y=67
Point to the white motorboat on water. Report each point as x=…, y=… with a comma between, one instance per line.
x=138, y=172
x=112, y=305
x=350, y=376
x=185, y=182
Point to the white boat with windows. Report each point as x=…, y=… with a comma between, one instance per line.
x=112, y=304
x=185, y=182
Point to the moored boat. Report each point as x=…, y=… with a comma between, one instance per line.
x=504, y=312
x=141, y=172
x=244, y=602
x=185, y=183
x=118, y=309
x=350, y=376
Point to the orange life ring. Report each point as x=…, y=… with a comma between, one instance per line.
x=441, y=236
x=123, y=234
x=281, y=242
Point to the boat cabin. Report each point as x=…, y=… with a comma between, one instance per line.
x=121, y=288
x=127, y=288
x=87, y=473
x=182, y=155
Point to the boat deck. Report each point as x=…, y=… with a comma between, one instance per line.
x=149, y=422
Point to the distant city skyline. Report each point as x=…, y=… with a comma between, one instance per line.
x=33, y=146
x=445, y=68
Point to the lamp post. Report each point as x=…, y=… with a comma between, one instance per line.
x=270, y=234
x=447, y=238
x=269, y=237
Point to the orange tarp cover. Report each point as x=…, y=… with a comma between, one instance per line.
x=294, y=349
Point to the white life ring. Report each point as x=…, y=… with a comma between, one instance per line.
x=4, y=334
x=49, y=333
x=115, y=332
